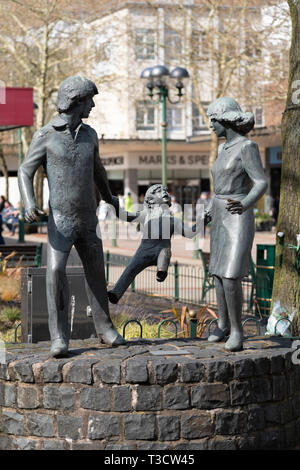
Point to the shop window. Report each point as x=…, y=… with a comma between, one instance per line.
x=145, y=44
x=145, y=116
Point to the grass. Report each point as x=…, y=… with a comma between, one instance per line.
x=10, y=314
x=8, y=336
x=9, y=318
x=150, y=329
x=10, y=291
x=10, y=288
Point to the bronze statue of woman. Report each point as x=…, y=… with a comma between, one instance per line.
x=239, y=181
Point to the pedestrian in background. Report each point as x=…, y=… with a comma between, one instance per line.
x=128, y=203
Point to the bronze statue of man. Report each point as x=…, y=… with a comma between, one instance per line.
x=68, y=150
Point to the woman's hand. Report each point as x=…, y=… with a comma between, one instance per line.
x=234, y=207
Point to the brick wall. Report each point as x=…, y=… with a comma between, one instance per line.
x=128, y=399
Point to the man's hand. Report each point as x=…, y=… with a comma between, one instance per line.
x=234, y=207
x=207, y=217
x=32, y=214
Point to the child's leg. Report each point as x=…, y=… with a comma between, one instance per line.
x=135, y=266
x=163, y=262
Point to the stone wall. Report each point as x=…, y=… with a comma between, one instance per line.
x=190, y=396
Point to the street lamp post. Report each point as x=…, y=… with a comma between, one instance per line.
x=156, y=81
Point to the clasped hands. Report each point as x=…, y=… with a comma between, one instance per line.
x=33, y=214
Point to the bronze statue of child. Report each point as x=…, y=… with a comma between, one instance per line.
x=158, y=225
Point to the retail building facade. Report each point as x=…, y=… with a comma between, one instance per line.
x=129, y=39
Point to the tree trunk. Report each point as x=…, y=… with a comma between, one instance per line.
x=285, y=281
x=5, y=172
x=41, y=102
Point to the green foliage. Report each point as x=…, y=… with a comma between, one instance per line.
x=10, y=314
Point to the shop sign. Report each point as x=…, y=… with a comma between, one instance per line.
x=180, y=160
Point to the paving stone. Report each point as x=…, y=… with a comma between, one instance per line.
x=79, y=371
x=3, y=371
x=297, y=423
x=12, y=422
x=88, y=445
x=270, y=440
x=53, y=445
x=120, y=447
x=287, y=412
x=136, y=371
x=288, y=360
x=217, y=370
x=261, y=389
x=262, y=365
x=176, y=397
x=291, y=384
x=243, y=368
x=122, y=398
x=39, y=424
x=198, y=425
x=95, y=399
x=140, y=427
x=5, y=443
x=200, y=445
x=211, y=395
x=277, y=362
x=21, y=443
x=256, y=418
x=228, y=422
x=168, y=428
x=222, y=443
x=103, y=426
x=59, y=397
x=27, y=397
x=249, y=443
x=152, y=446
x=279, y=387
x=164, y=372
x=290, y=435
x=23, y=371
x=240, y=392
x=52, y=371
x=7, y=395
x=191, y=371
x=69, y=427
x=147, y=397
x=108, y=372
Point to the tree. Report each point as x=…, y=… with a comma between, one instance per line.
x=41, y=43
x=228, y=49
x=286, y=287
x=3, y=166
x=225, y=49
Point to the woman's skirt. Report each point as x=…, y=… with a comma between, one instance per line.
x=231, y=238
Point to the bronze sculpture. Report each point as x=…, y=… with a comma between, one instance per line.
x=155, y=249
x=239, y=182
x=68, y=151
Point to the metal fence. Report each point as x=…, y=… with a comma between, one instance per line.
x=184, y=283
